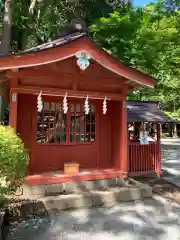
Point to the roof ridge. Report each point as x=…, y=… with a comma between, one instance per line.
x=142, y=101
x=54, y=43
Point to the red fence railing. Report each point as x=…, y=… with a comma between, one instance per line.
x=144, y=158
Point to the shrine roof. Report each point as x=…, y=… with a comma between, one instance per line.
x=66, y=38
x=146, y=111
x=69, y=45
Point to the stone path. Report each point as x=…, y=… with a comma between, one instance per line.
x=153, y=219
x=171, y=161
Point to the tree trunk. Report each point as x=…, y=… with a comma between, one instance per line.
x=7, y=23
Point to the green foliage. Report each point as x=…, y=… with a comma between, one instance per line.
x=44, y=20
x=165, y=135
x=174, y=115
x=13, y=160
x=147, y=39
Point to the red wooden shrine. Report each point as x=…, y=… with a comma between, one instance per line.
x=98, y=142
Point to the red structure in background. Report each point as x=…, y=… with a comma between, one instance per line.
x=145, y=159
x=98, y=142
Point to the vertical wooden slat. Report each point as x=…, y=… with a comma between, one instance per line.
x=158, y=149
x=141, y=158
x=68, y=125
x=37, y=125
x=85, y=127
x=81, y=116
x=143, y=161
x=155, y=159
x=79, y=123
x=129, y=146
x=60, y=123
x=154, y=162
x=55, y=122
x=123, y=154
x=130, y=158
x=49, y=122
x=75, y=137
x=147, y=157
x=42, y=129
x=150, y=156
x=144, y=157
x=90, y=122
x=147, y=160
x=130, y=165
x=97, y=133
x=135, y=158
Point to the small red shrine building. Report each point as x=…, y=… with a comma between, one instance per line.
x=98, y=141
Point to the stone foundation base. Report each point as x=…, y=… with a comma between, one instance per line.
x=56, y=198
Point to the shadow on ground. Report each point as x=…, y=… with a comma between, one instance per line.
x=171, y=162
x=151, y=219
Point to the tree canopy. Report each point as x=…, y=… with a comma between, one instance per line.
x=148, y=39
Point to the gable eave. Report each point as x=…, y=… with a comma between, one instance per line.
x=70, y=49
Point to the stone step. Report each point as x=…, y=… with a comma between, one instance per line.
x=94, y=198
x=29, y=191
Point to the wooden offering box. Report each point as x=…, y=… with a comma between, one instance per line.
x=71, y=168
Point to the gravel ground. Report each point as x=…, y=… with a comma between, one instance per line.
x=157, y=219
x=153, y=219
x=171, y=161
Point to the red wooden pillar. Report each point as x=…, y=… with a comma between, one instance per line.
x=13, y=99
x=123, y=139
x=158, y=154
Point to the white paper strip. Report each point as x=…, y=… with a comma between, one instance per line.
x=105, y=106
x=86, y=106
x=65, y=104
x=39, y=102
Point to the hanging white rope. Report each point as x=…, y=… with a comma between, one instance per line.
x=65, y=104
x=39, y=102
x=105, y=106
x=86, y=106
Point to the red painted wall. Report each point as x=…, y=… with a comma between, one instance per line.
x=105, y=160
x=24, y=119
x=52, y=157
x=115, y=133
